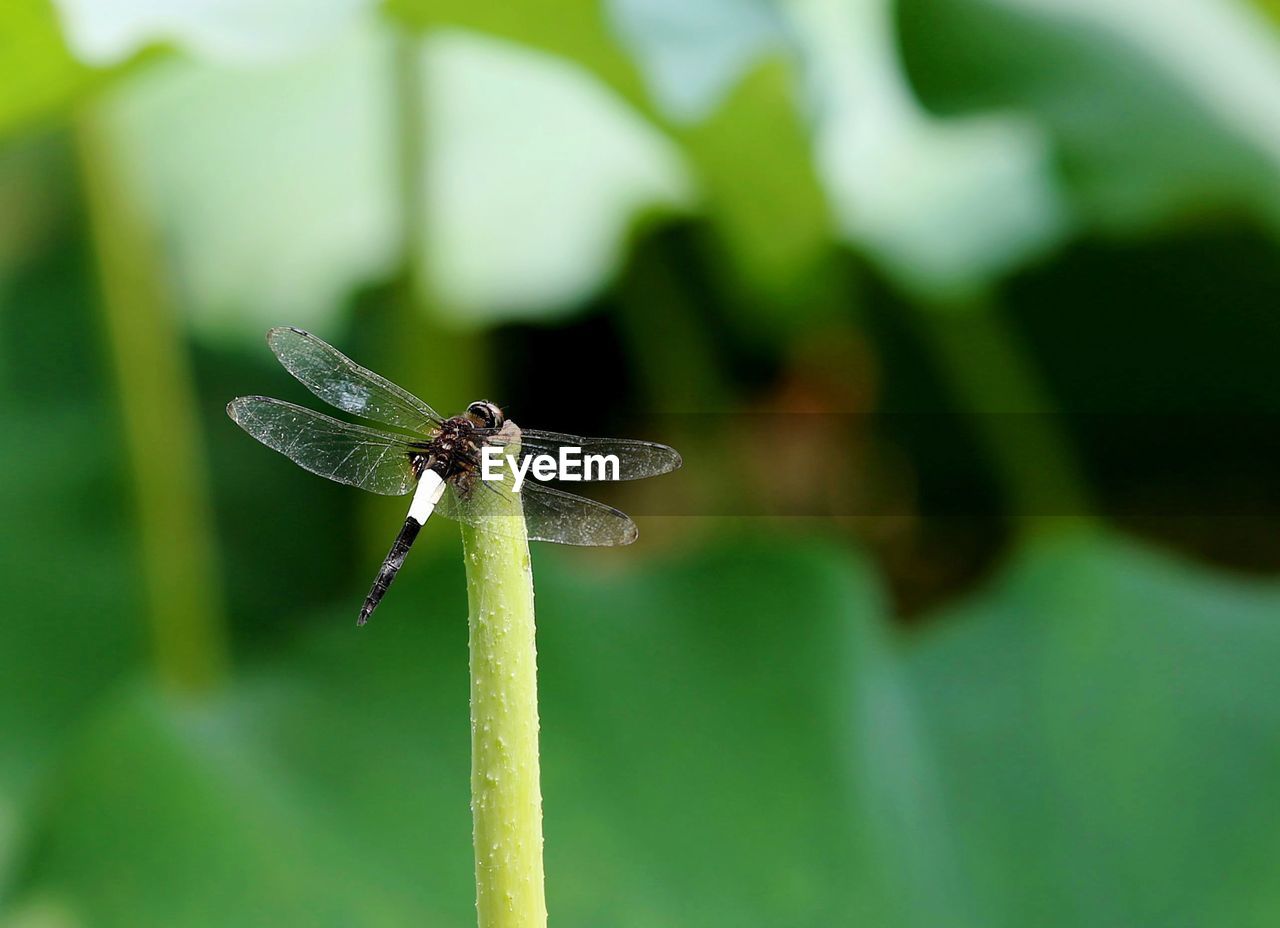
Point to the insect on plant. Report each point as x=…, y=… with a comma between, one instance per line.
x=439, y=459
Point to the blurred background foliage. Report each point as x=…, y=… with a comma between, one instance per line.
x=963, y=610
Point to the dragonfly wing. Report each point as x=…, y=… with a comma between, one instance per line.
x=549, y=514
x=552, y=515
x=362, y=457
x=343, y=383
x=636, y=459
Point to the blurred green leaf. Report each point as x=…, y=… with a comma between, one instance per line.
x=1157, y=111
x=273, y=186
x=37, y=73
x=72, y=627
x=578, y=31
x=719, y=74
x=762, y=193
x=1104, y=726
x=174, y=814
x=535, y=172
x=59, y=653
x=71, y=595
x=692, y=55
x=944, y=206
x=749, y=156
x=105, y=32
x=279, y=185
x=687, y=752
x=727, y=740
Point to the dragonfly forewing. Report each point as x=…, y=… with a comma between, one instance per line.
x=352, y=454
x=345, y=385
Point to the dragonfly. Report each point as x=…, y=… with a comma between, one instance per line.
x=439, y=460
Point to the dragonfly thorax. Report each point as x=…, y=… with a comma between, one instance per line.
x=454, y=451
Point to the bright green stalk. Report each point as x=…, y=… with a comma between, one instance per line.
x=506, y=796
x=161, y=425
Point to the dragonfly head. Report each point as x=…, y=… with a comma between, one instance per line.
x=486, y=415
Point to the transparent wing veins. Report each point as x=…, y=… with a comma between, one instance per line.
x=345, y=385
x=341, y=451
x=549, y=514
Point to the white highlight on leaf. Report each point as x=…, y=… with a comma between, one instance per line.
x=536, y=175
x=106, y=32
x=692, y=53
x=278, y=189
x=1224, y=52
x=273, y=186
x=944, y=205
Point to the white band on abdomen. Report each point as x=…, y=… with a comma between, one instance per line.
x=430, y=489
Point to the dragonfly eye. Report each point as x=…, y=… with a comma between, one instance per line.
x=487, y=414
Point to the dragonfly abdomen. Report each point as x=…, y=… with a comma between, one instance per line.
x=390, y=567
x=430, y=489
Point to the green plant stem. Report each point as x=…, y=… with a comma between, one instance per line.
x=506, y=796
x=157, y=399
x=402, y=329
x=1015, y=417
x=682, y=371
x=418, y=327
